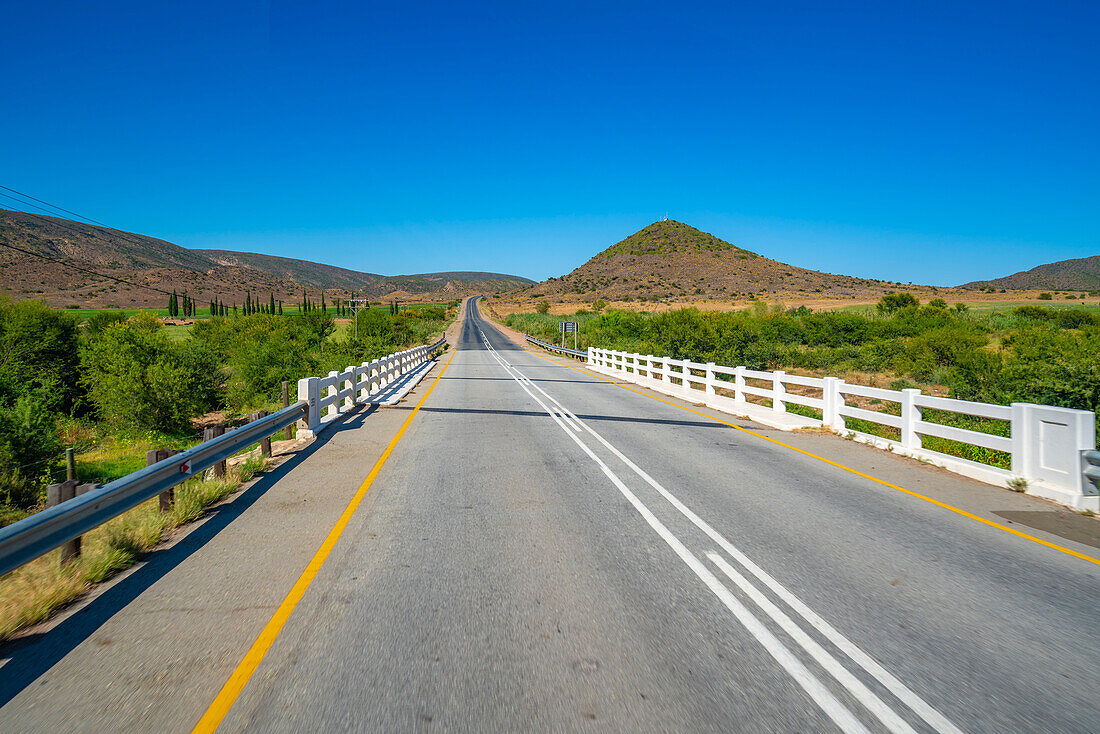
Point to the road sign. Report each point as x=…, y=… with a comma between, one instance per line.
x=569, y=327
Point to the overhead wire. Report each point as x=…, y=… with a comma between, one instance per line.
x=65, y=262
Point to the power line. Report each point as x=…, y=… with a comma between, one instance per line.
x=66, y=263
x=82, y=269
x=52, y=206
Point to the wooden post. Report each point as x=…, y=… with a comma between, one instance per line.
x=209, y=434
x=55, y=495
x=168, y=496
x=265, y=442
x=70, y=464
x=289, y=434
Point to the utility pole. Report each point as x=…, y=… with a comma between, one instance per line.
x=355, y=305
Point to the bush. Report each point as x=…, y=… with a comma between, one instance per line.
x=892, y=302
x=1045, y=297
x=136, y=377
x=543, y=307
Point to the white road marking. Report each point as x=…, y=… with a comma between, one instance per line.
x=929, y=714
x=833, y=708
x=934, y=718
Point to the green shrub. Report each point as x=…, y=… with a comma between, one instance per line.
x=136, y=377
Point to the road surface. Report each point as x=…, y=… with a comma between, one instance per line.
x=545, y=550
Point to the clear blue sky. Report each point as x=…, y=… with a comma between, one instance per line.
x=925, y=142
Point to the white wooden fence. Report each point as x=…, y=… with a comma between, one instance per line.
x=340, y=392
x=1047, y=444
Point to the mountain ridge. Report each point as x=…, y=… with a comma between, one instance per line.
x=673, y=260
x=1081, y=273
x=150, y=263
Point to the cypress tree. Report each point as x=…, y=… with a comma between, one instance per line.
x=280, y=308
x=324, y=308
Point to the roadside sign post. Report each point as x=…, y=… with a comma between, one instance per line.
x=566, y=327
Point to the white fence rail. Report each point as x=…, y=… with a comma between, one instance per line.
x=339, y=392
x=1047, y=445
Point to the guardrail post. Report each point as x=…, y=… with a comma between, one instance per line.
x=288, y=434
x=210, y=434
x=666, y=370
x=168, y=496
x=591, y=360
x=739, y=383
x=265, y=442
x=779, y=405
x=710, y=379
x=910, y=414
x=55, y=495
x=309, y=392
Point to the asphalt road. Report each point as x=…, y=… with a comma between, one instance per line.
x=544, y=550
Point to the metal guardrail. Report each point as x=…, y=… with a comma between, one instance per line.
x=1091, y=468
x=43, y=531
x=555, y=348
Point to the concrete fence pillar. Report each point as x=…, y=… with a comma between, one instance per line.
x=685, y=375
x=833, y=397
x=779, y=389
x=334, y=388
x=710, y=379
x=363, y=382
x=591, y=358
x=309, y=391
x=739, y=383
x=349, y=385
x=910, y=414
x=666, y=370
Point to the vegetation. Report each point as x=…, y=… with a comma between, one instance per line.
x=134, y=384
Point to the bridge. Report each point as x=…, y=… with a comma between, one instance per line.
x=528, y=543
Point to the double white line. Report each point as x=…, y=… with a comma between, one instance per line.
x=833, y=708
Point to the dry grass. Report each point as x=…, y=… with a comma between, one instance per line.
x=31, y=593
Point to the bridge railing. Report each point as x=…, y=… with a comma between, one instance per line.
x=1050, y=448
x=338, y=392
x=578, y=353
x=43, y=531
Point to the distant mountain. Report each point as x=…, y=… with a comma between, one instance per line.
x=673, y=260
x=1080, y=274
x=204, y=274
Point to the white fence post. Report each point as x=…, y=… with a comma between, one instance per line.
x=834, y=399
x=307, y=390
x=1020, y=431
x=591, y=358
x=910, y=414
x=686, y=375
x=364, y=381
x=334, y=388
x=710, y=379
x=739, y=383
x=666, y=370
x=349, y=401
x=779, y=405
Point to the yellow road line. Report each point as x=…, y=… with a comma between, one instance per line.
x=236, y=683
x=883, y=482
